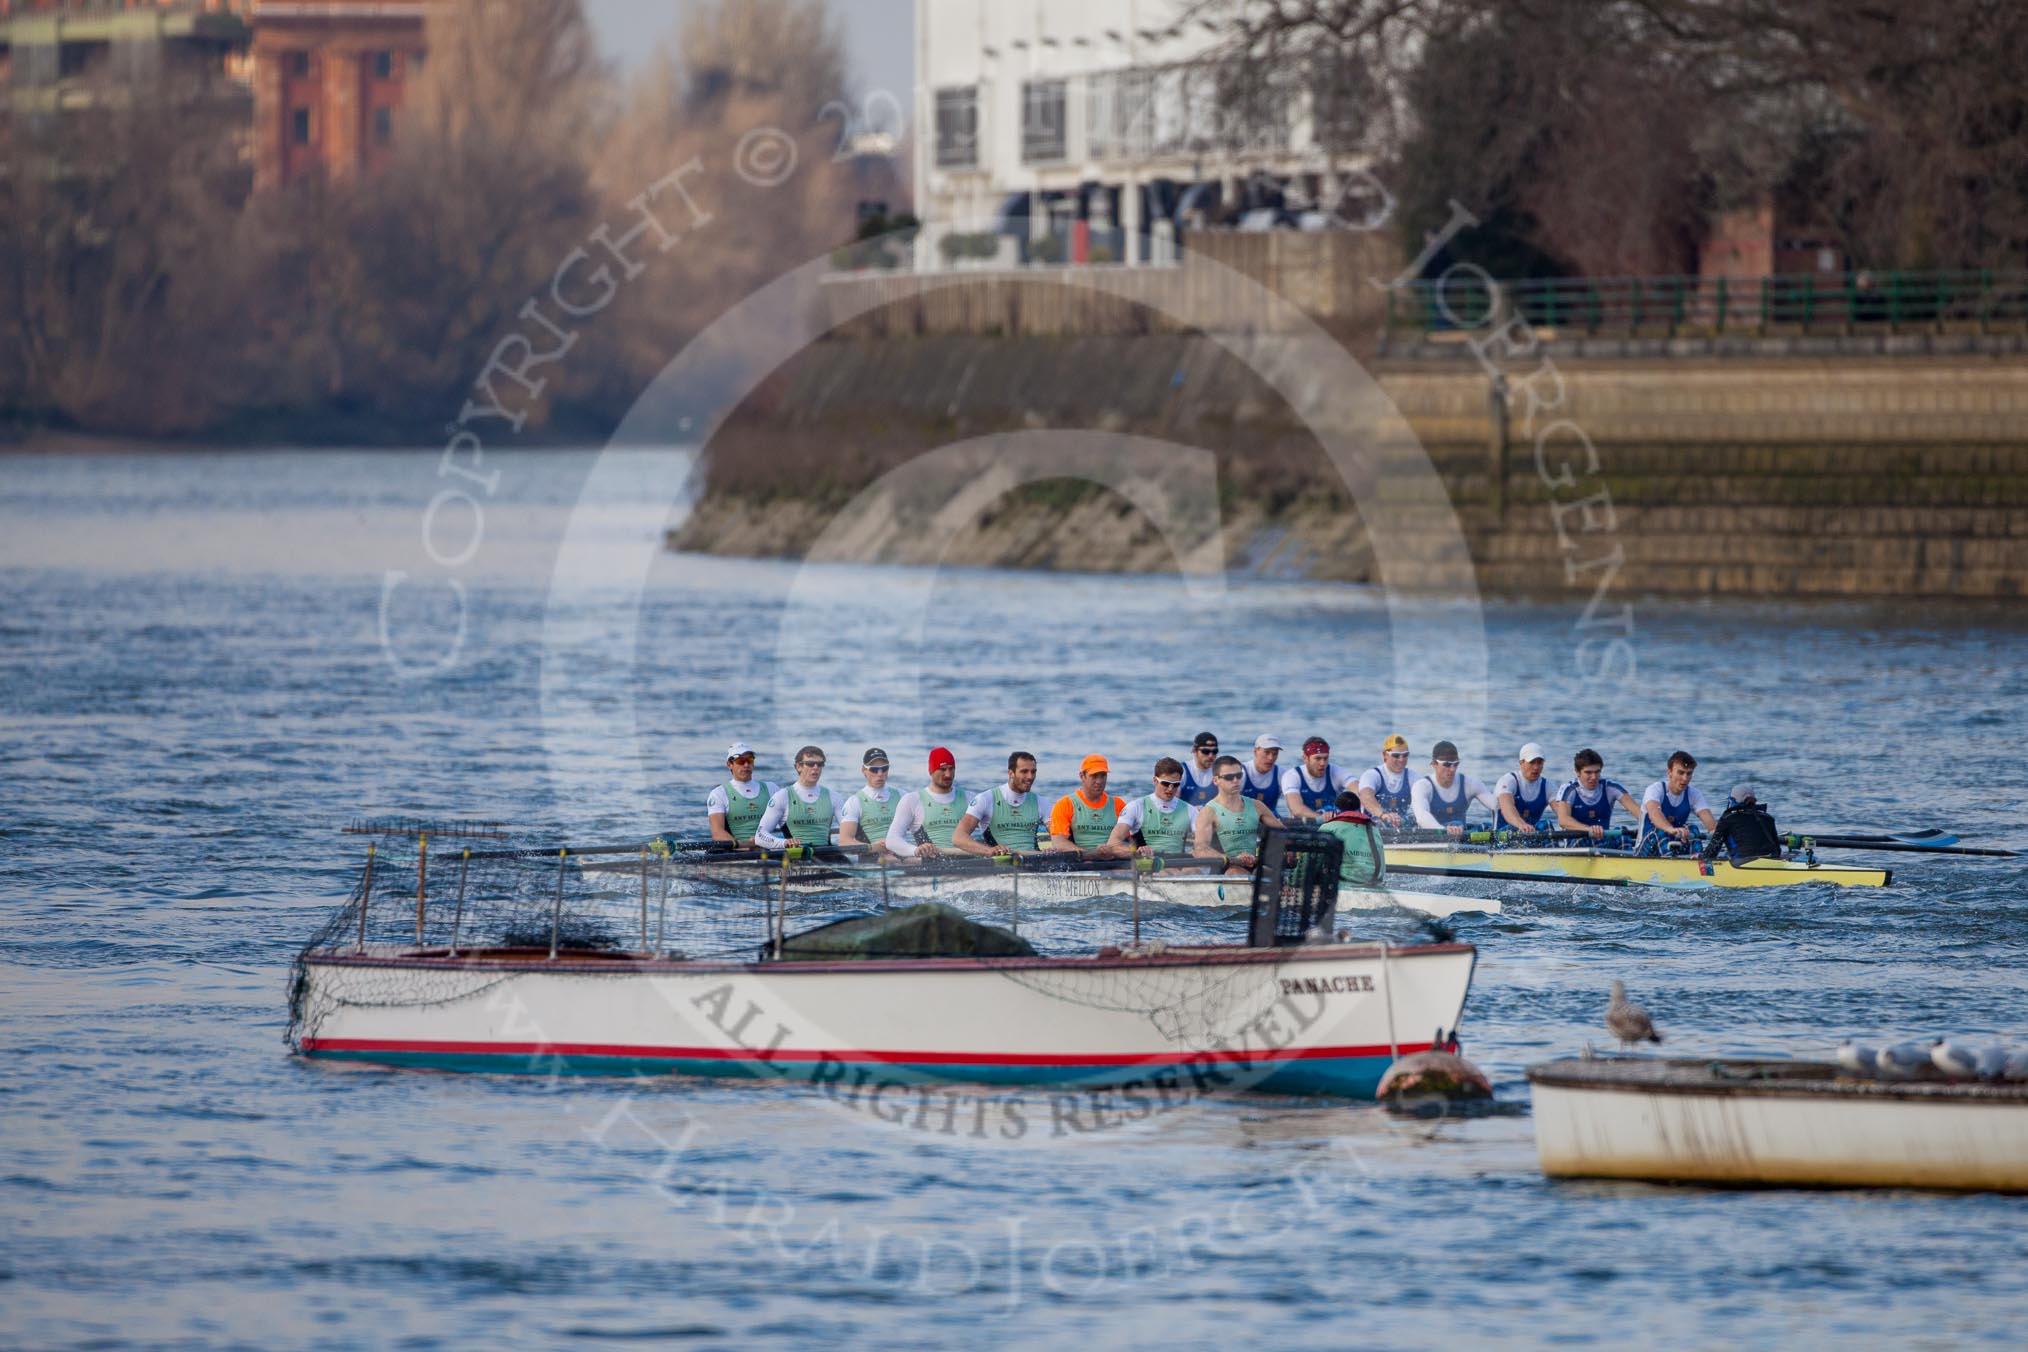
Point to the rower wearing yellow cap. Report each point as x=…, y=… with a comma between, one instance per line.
x=1387, y=791
x=1084, y=820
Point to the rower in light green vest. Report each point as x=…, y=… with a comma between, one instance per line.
x=1365, y=862
x=734, y=809
x=867, y=814
x=1008, y=812
x=1230, y=823
x=1084, y=820
x=1161, y=823
x=804, y=809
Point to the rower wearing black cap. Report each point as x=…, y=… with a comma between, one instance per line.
x=866, y=815
x=1199, y=787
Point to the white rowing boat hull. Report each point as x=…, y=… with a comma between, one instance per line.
x=1793, y=1123
x=1315, y=1019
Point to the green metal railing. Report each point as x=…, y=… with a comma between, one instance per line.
x=1852, y=301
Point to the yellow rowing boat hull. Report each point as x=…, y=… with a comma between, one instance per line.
x=1652, y=872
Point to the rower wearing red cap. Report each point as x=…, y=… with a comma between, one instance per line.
x=1084, y=820
x=928, y=815
x=1311, y=788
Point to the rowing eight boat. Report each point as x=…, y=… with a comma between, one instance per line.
x=1665, y=872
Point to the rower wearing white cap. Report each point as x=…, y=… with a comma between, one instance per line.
x=1523, y=794
x=1586, y=803
x=1260, y=780
x=1310, y=790
x=734, y=809
x=1444, y=796
x=867, y=814
x=1387, y=791
x=930, y=814
x=803, y=813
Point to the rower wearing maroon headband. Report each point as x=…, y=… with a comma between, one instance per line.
x=1310, y=789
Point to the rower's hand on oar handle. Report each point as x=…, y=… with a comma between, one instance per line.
x=1598, y=833
x=1455, y=831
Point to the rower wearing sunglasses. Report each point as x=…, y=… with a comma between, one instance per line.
x=1161, y=823
x=1444, y=798
x=1387, y=791
x=868, y=813
x=1230, y=824
x=803, y=813
x=1199, y=787
x=1310, y=789
x=734, y=809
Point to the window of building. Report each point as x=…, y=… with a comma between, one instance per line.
x=1042, y=121
x=299, y=126
x=383, y=125
x=297, y=64
x=383, y=65
x=958, y=127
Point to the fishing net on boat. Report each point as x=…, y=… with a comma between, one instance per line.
x=1191, y=1006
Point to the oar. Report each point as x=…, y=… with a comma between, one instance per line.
x=1495, y=839
x=1798, y=842
x=1502, y=876
x=1929, y=836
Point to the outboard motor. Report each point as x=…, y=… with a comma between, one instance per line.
x=1295, y=887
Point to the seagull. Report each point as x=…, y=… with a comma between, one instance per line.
x=1992, y=1063
x=2017, y=1066
x=1904, y=1060
x=1955, y=1061
x=1858, y=1057
x=1627, y=1021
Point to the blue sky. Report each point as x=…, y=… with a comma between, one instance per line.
x=879, y=36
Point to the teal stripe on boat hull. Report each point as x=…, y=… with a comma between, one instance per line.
x=1349, y=1077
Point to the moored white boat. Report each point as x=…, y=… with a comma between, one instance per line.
x=1321, y=1018
x=1775, y=1122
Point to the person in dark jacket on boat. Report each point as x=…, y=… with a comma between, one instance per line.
x=1745, y=830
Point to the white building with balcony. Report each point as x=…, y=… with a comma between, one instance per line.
x=1088, y=130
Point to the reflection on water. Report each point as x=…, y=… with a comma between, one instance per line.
x=193, y=693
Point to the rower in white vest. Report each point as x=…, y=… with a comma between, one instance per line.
x=1387, y=791
x=930, y=814
x=733, y=810
x=1160, y=823
x=1523, y=794
x=1310, y=788
x=1670, y=802
x=1443, y=798
x=802, y=813
x=867, y=814
x=1005, y=818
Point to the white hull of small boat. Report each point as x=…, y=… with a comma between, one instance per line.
x=1775, y=1123
x=1314, y=1019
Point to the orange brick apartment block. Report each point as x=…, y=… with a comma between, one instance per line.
x=328, y=77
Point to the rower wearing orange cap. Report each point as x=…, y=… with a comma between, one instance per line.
x=1084, y=820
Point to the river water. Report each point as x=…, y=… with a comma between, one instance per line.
x=208, y=667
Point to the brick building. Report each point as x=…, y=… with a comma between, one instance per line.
x=328, y=79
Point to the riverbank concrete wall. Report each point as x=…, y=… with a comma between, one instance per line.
x=1854, y=475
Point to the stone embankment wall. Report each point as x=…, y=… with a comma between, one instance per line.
x=1833, y=475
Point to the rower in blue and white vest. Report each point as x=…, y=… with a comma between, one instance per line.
x=924, y=820
x=1005, y=818
x=867, y=814
x=804, y=812
x=1160, y=823
x=734, y=809
x=1199, y=787
x=1586, y=803
x=1443, y=797
x=1522, y=793
x=1310, y=790
x=1670, y=803
x=1261, y=778
x=1387, y=791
